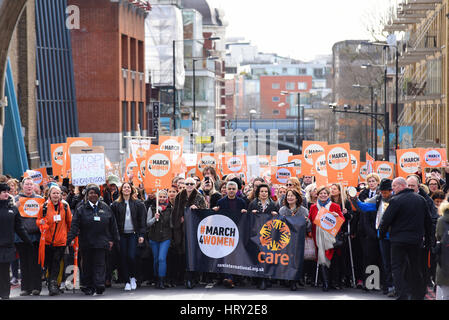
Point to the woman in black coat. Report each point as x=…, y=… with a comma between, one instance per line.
x=10, y=222
x=263, y=205
x=130, y=214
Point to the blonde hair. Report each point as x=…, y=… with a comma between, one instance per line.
x=373, y=175
x=308, y=190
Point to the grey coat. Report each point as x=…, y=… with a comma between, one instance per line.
x=285, y=211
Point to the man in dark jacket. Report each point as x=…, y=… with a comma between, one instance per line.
x=95, y=224
x=408, y=221
x=10, y=222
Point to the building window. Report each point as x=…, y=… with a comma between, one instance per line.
x=276, y=112
x=141, y=116
x=276, y=99
x=141, y=56
x=302, y=71
x=275, y=86
x=124, y=123
x=302, y=85
x=318, y=73
x=133, y=117
x=133, y=54
x=290, y=86
x=124, y=52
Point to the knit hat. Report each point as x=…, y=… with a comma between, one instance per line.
x=94, y=187
x=4, y=187
x=385, y=185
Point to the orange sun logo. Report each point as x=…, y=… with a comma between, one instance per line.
x=275, y=235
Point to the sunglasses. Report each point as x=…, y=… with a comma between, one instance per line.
x=189, y=184
x=290, y=184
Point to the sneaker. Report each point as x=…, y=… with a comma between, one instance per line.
x=133, y=284
x=35, y=292
x=14, y=281
x=127, y=287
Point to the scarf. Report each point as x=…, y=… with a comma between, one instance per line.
x=43, y=227
x=324, y=240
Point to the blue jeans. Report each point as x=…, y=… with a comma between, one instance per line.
x=128, y=248
x=160, y=250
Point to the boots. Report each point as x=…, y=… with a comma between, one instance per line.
x=325, y=277
x=53, y=289
x=161, y=284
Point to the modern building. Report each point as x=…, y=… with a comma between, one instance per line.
x=109, y=65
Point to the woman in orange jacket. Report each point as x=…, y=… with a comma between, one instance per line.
x=54, y=219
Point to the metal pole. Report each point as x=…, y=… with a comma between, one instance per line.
x=396, y=107
x=298, y=125
x=174, y=85
x=194, y=97
x=372, y=119
x=387, y=122
x=375, y=131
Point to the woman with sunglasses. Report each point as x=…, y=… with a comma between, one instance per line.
x=188, y=198
x=262, y=205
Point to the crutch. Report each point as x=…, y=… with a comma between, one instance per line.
x=350, y=255
x=316, y=273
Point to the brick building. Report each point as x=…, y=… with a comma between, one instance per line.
x=108, y=55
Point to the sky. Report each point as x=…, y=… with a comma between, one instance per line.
x=301, y=29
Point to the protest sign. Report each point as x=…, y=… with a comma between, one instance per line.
x=87, y=165
x=309, y=148
x=39, y=176
x=338, y=161
x=355, y=166
x=158, y=170
x=319, y=168
x=57, y=158
x=280, y=175
x=408, y=161
x=328, y=222
x=433, y=157
x=29, y=207
x=384, y=169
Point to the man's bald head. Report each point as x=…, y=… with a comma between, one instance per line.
x=398, y=185
x=413, y=183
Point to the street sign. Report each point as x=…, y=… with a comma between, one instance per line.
x=156, y=115
x=204, y=140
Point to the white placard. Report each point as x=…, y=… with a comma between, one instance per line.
x=87, y=165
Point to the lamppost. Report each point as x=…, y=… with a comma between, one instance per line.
x=373, y=121
x=174, y=72
x=298, y=124
x=386, y=46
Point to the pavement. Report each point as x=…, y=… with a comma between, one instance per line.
x=210, y=292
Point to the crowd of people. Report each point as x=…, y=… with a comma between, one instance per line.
x=124, y=235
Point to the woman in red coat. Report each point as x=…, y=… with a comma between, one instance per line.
x=323, y=240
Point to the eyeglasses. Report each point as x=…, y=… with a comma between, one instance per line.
x=189, y=184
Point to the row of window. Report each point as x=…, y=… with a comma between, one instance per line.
x=132, y=54
x=290, y=86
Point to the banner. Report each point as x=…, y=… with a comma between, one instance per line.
x=139, y=147
x=328, y=222
x=433, y=157
x=408, y=161
x=245, y=244
x=29, y=207
x=234, y=164
x=57, y=158
x=384, y=169
x=280, y=175
x=172, y=144
x=338, y=161
x=355, y=165
x=158, y=169
x=39, y=176
x=319, y=169
x=309, y=148
x=87, y=166
x=204, y=160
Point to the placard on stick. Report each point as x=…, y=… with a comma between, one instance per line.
x=87, y=165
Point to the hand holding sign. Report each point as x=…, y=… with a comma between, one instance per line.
x=328, y=221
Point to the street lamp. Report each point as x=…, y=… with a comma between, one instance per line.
x=298, y=125
x=174, y=72
x=373, y=133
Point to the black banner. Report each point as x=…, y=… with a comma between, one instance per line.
x=255, y=245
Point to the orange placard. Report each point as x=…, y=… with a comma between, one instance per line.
x=384, y=169
x=355, y=166
x=137, y=176
x=234, y=164
x=328, y=222
x=130, y=164
x=320, y=169
x=172, y=144
x=57, y=158
x=338, y=161
x=408, y=161
x=433, y=157
x=298, y=160
x=158, y=170
x=206, y=159
x=280, y=175
x=39, y=176
x=309, y=148
x=29, y=207
x=363, y=172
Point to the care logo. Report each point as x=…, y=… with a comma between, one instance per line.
x=311, y=149
x=275, y=235
x=338, y=158
x=282, y=175
x=58, y=155
x=235, y=164
x=409, y=162
x=432, y=158
x=218, y=236
x=159, y=165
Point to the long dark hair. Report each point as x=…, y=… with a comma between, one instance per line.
x=132, y=196
x=298, y=198
x=263, y=185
